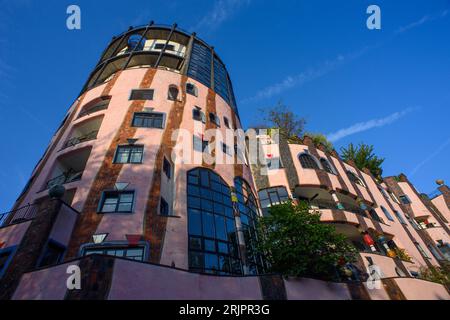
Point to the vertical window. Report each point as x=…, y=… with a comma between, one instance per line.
x=141, y=94
x=226, y=149
x=167, y=168
x=307, y=161
x=129, y=154
x=419, y=247
x=353, y=178
x=387, y=214
x=249, y=212
x=148, y=120
x=272, y=196
x=393, y=197
x=405, y=199
x=53, y=254
x=198, y=115
x=5, y=259
x=117, y=201
x=326, y=165
x=226, y=122
x=163, y=207
x=373, y=214
x=200, y=144
x=399, y=217
x=172, y=94
x=191, y=89
x=213, y=246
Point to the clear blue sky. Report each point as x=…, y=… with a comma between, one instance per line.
x=388, y=87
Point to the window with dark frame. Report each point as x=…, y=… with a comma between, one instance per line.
x=141, y=94
x=53, y=254
x=400, y=217
x=214, y=119
x=132, y=253
x=191, y=89
x=226, y=122
x=4, y=260
x=307, y=161
x=272, y=196
x=225, y=149
x=405, y=199
x=373, y=214
x=172, y=93
x=352, y=177
x=199, y=144
x=148, y=120
x=198, y=115
x=117, y=201
x=326, y=165
x=129, y=154
x=213, y=245
x=163, y=207
x=167, y=168
x=386, y=213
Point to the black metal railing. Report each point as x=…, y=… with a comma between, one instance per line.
x=66, y=177
x=76, y=140
x=96, y=108
x=24, y=213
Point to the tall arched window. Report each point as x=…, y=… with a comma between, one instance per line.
x=172, y=94
x=355, y=179
x=307, y=161
x=248, y=210
x=213, y=246
x=326, y=165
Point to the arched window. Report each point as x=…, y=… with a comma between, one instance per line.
x=272, y=196
x=213, y=245
x=326, y=165
x=387, y=214
x=307, y=161
x=248, y=212
x=172, y=94
x=95, y=106
x=355, y=179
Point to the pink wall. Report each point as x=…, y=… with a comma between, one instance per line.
x=415, y=289
x=62, y=229
x=141, y=281
x=441, y=205
x=13, y=234
x=311, y=289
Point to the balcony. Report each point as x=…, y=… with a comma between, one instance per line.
x=93, y=108
x=68, y=168
x=83, y=132
x=22, y=214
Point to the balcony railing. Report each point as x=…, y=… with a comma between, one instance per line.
x=69, y=176
x=93, y=109
x=76, y=140
x=25, y=213
x=329, y=204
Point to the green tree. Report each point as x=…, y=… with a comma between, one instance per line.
x=364, y=157
x=319, y=138
x=437, y=274
x=280, y=116
x=296, y=243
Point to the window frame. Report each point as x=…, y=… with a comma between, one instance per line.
x=387, y=214
x=313, y=160
x=129, y=146
x=151, y=113
x=214, y=118
x=269, y=191
x=172, y=87
x=404, y=196
x=60, y=258
x=116, y=246
x=201, y=113
x=194, y=87
x=167, y=168
x=143, y=91
x=11, y=251
x=329, y=165
x=165, y=204
x=356, y=180
x=104, y=196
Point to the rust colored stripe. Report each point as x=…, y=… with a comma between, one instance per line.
x=393, y=290
x=344, y=189
x=210, y=108
x=358, y=291
x=338, y=215
x=106, y=177
x=238, y=168
x=154, y=223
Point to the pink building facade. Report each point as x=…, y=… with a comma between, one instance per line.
x=145, y=219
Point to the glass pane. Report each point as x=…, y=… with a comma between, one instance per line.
x=109, y=208
x=126, y=197
x=220, y=228
x=196, y=260
x=210, y=245
x=223, y=247
x=211, y=261
x=124, y=207
x=224, y=264
x=195, y=243
x=208, y=225
x=195, y=224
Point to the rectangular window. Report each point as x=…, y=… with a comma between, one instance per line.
x=132, y=253
x=200, y=144
x=163, y=207
x=53, y=254
x=399, y=217
x=226, y=149
x=141, y=94
x=226, y=122
x=405, y=199
x=117, y=201
x=198, y=115
x=5, y=259
x=160, y=46
x=214, y=119
x=191, y=89
x=129, y=154
x=167, y=168
x=148, y=120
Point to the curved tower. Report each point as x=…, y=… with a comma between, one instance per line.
x=113, y=155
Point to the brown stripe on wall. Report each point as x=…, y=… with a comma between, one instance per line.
x=358, y=291
x=288, y=162
x=393, y=290
x=106, y=177
x=238, y=168
x=362, y=222
x=272, y=287
x=210, y=108
x=338, y=215
x=154, y=223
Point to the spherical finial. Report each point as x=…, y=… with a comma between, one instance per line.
x=57, y=191
x=439, y=182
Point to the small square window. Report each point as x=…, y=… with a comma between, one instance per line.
x=191, y=89
x=141, y=94
x=163, y=207
x=129, y=154
x=117, y=201
x=198, y=115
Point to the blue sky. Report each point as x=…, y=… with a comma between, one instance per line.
x=387, y=87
